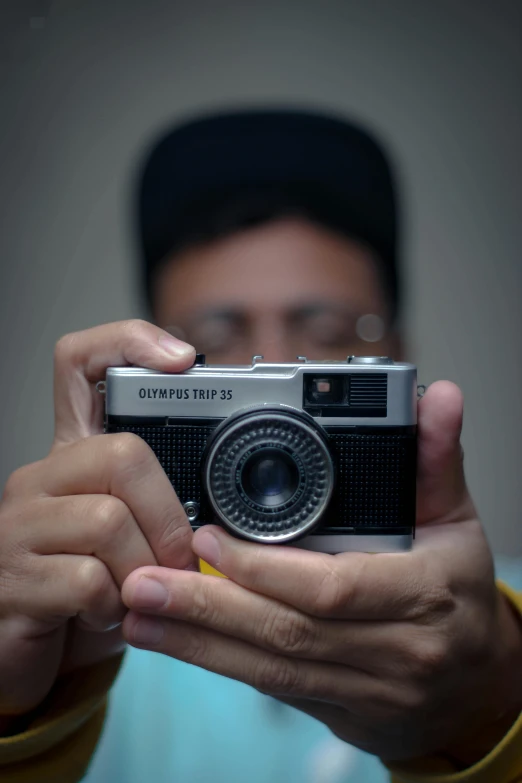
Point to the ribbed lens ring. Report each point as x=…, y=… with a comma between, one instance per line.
x=296, y=450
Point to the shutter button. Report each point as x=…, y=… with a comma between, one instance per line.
x=369, y=360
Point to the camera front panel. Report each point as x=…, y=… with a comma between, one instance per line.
x=179, y=448
x=373, y=482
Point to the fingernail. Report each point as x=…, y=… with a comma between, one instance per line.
x=206, y=546
x=148, y=631
x=149, y=594
x=175, y=347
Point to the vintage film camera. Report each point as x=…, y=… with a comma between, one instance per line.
x=316, y=454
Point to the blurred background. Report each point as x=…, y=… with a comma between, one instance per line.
x=84, y=84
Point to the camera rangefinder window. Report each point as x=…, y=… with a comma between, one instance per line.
x=325, y=389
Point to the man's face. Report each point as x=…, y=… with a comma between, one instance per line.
x=286, y=289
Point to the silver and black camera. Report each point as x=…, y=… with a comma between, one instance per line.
x=317, y=454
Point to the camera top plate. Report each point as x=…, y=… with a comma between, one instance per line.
x=367, y=391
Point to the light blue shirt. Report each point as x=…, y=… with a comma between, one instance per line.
x=170, y=722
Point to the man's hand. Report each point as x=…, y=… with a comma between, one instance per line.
x=74, y=525
x=399, y=654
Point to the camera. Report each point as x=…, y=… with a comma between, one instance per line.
x=316, y=454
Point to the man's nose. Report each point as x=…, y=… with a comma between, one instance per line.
x=277, y=354
x=270, y=339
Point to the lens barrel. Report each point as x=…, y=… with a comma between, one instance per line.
x=268, y=473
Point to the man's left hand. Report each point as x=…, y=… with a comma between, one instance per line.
x=401, y=655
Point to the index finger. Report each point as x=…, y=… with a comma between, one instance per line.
x=124, y=466
x=350, y=585
x=82, y=358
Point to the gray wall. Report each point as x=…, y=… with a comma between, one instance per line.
x=440, y=82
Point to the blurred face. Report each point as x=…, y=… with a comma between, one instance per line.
x=286, y=289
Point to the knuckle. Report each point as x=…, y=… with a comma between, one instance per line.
x=277, y=676
x=13, y=574
x=17, y=482
x=409, y=699
x=136, y=327
x=94, y=583
x=431, y=608
x=439, y=601
x=15, y=545
x=203, y=606
x=64, y=349
x=381, y=703
x=415, y=699
x=17, y=539
x=128, y=452
x=137, y=332
x=112, y=516
x=191, y=646
x=433, y=596
x=252, y=569
x=289, y=632
x=397, y=699
x=427, y=658
x=139, y=336
x=331, y=594
x=481, y=630
x=175, y=536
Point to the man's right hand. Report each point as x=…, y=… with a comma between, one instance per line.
x=74, y=525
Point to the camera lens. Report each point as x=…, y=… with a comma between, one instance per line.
x=268, y=473
x=270, y=477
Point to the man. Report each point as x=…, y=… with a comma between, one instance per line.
x=269, y=233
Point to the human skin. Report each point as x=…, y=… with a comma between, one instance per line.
x=75, y=524
x=279, y=290
x=400, y=654
x=396, y=653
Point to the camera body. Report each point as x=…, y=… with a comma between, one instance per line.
x=316, y=454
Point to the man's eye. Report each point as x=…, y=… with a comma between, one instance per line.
x=325, y=330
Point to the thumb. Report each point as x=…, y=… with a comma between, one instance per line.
x=442, y=495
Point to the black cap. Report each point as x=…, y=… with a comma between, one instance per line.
x=332, y=169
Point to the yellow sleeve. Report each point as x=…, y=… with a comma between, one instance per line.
x=59, y=740
x=502, y=765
